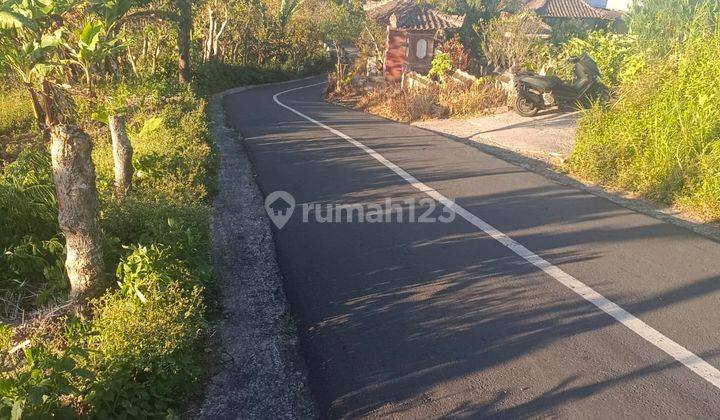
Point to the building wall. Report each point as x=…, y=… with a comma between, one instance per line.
x=395, y=55
x=422, y=63
x=402, y=53
x=622, y=5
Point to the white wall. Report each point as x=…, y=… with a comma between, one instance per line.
x=611, y=4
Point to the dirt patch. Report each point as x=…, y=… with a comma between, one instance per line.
x=256, y=370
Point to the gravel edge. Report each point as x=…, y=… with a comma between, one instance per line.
x=256, y=369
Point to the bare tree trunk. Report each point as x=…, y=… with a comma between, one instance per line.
x=339, y=66
x=37, y=108
x=132, y=61
x=78, y=208
x=155, y=56
x=184, y=30
x=216, y=39
x=122, y=155
x=210, y=36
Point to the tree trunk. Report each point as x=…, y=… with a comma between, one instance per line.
x=78, y=208
x=339, y=66
x=184, y=30
x=122, y=155
x=216, y=39
x=37, y=108
x=210, y=36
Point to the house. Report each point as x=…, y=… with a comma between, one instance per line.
x=413, y=30
x=555, y=12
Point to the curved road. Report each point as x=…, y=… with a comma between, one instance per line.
x=537, y=300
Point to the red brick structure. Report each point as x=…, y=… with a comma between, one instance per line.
x=413, y=29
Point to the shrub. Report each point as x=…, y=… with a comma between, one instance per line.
x=661, y=139
x=32, y=262
x=441, y=66
x=455, y=49
x=616, y=55
x=217, y=76
x=137, y=354
x=145, y=351
x=662, y=25
x=511, y=41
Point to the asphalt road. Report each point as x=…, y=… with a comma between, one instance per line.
x=424, y=320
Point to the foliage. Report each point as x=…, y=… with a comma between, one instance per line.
x=661, y=139
x=31, y=265
x=456, y=50
x=134, y=352
x=215, y=77
x=441, y=65
x=615, y=54
x=136, y=355
x=28, y=41
x=146, y=349
x=448, y=99
x=662, y=25
x=401, y=105
x=511, y=42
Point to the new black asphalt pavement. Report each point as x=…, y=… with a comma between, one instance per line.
x=425, y=320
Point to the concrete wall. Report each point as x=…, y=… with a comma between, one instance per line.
x=611, y=4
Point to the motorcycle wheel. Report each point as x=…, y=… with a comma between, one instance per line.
x=525, y=107
x=603, y=94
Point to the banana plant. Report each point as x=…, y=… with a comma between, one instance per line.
x=92, y=45
x=28, y=42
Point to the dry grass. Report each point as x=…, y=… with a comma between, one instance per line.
x=391, y=102
x=463, y=101
x=451, y=99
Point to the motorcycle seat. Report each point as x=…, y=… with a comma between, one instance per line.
x=545, y=83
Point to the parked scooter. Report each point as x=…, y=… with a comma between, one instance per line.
x=535, y=92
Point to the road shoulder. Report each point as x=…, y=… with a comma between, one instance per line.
x=257, y=370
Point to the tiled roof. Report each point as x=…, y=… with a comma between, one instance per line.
x=572, y=9
x=414, y=16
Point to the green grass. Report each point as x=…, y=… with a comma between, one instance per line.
x=136, y=351
x=17, y=113
x=661, y=140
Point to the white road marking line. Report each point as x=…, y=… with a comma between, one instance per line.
x=692, y=361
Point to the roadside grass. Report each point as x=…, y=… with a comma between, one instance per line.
x=17, y=114
x=136, y=350
x=661, y=140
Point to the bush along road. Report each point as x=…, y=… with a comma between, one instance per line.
x=535, y=299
